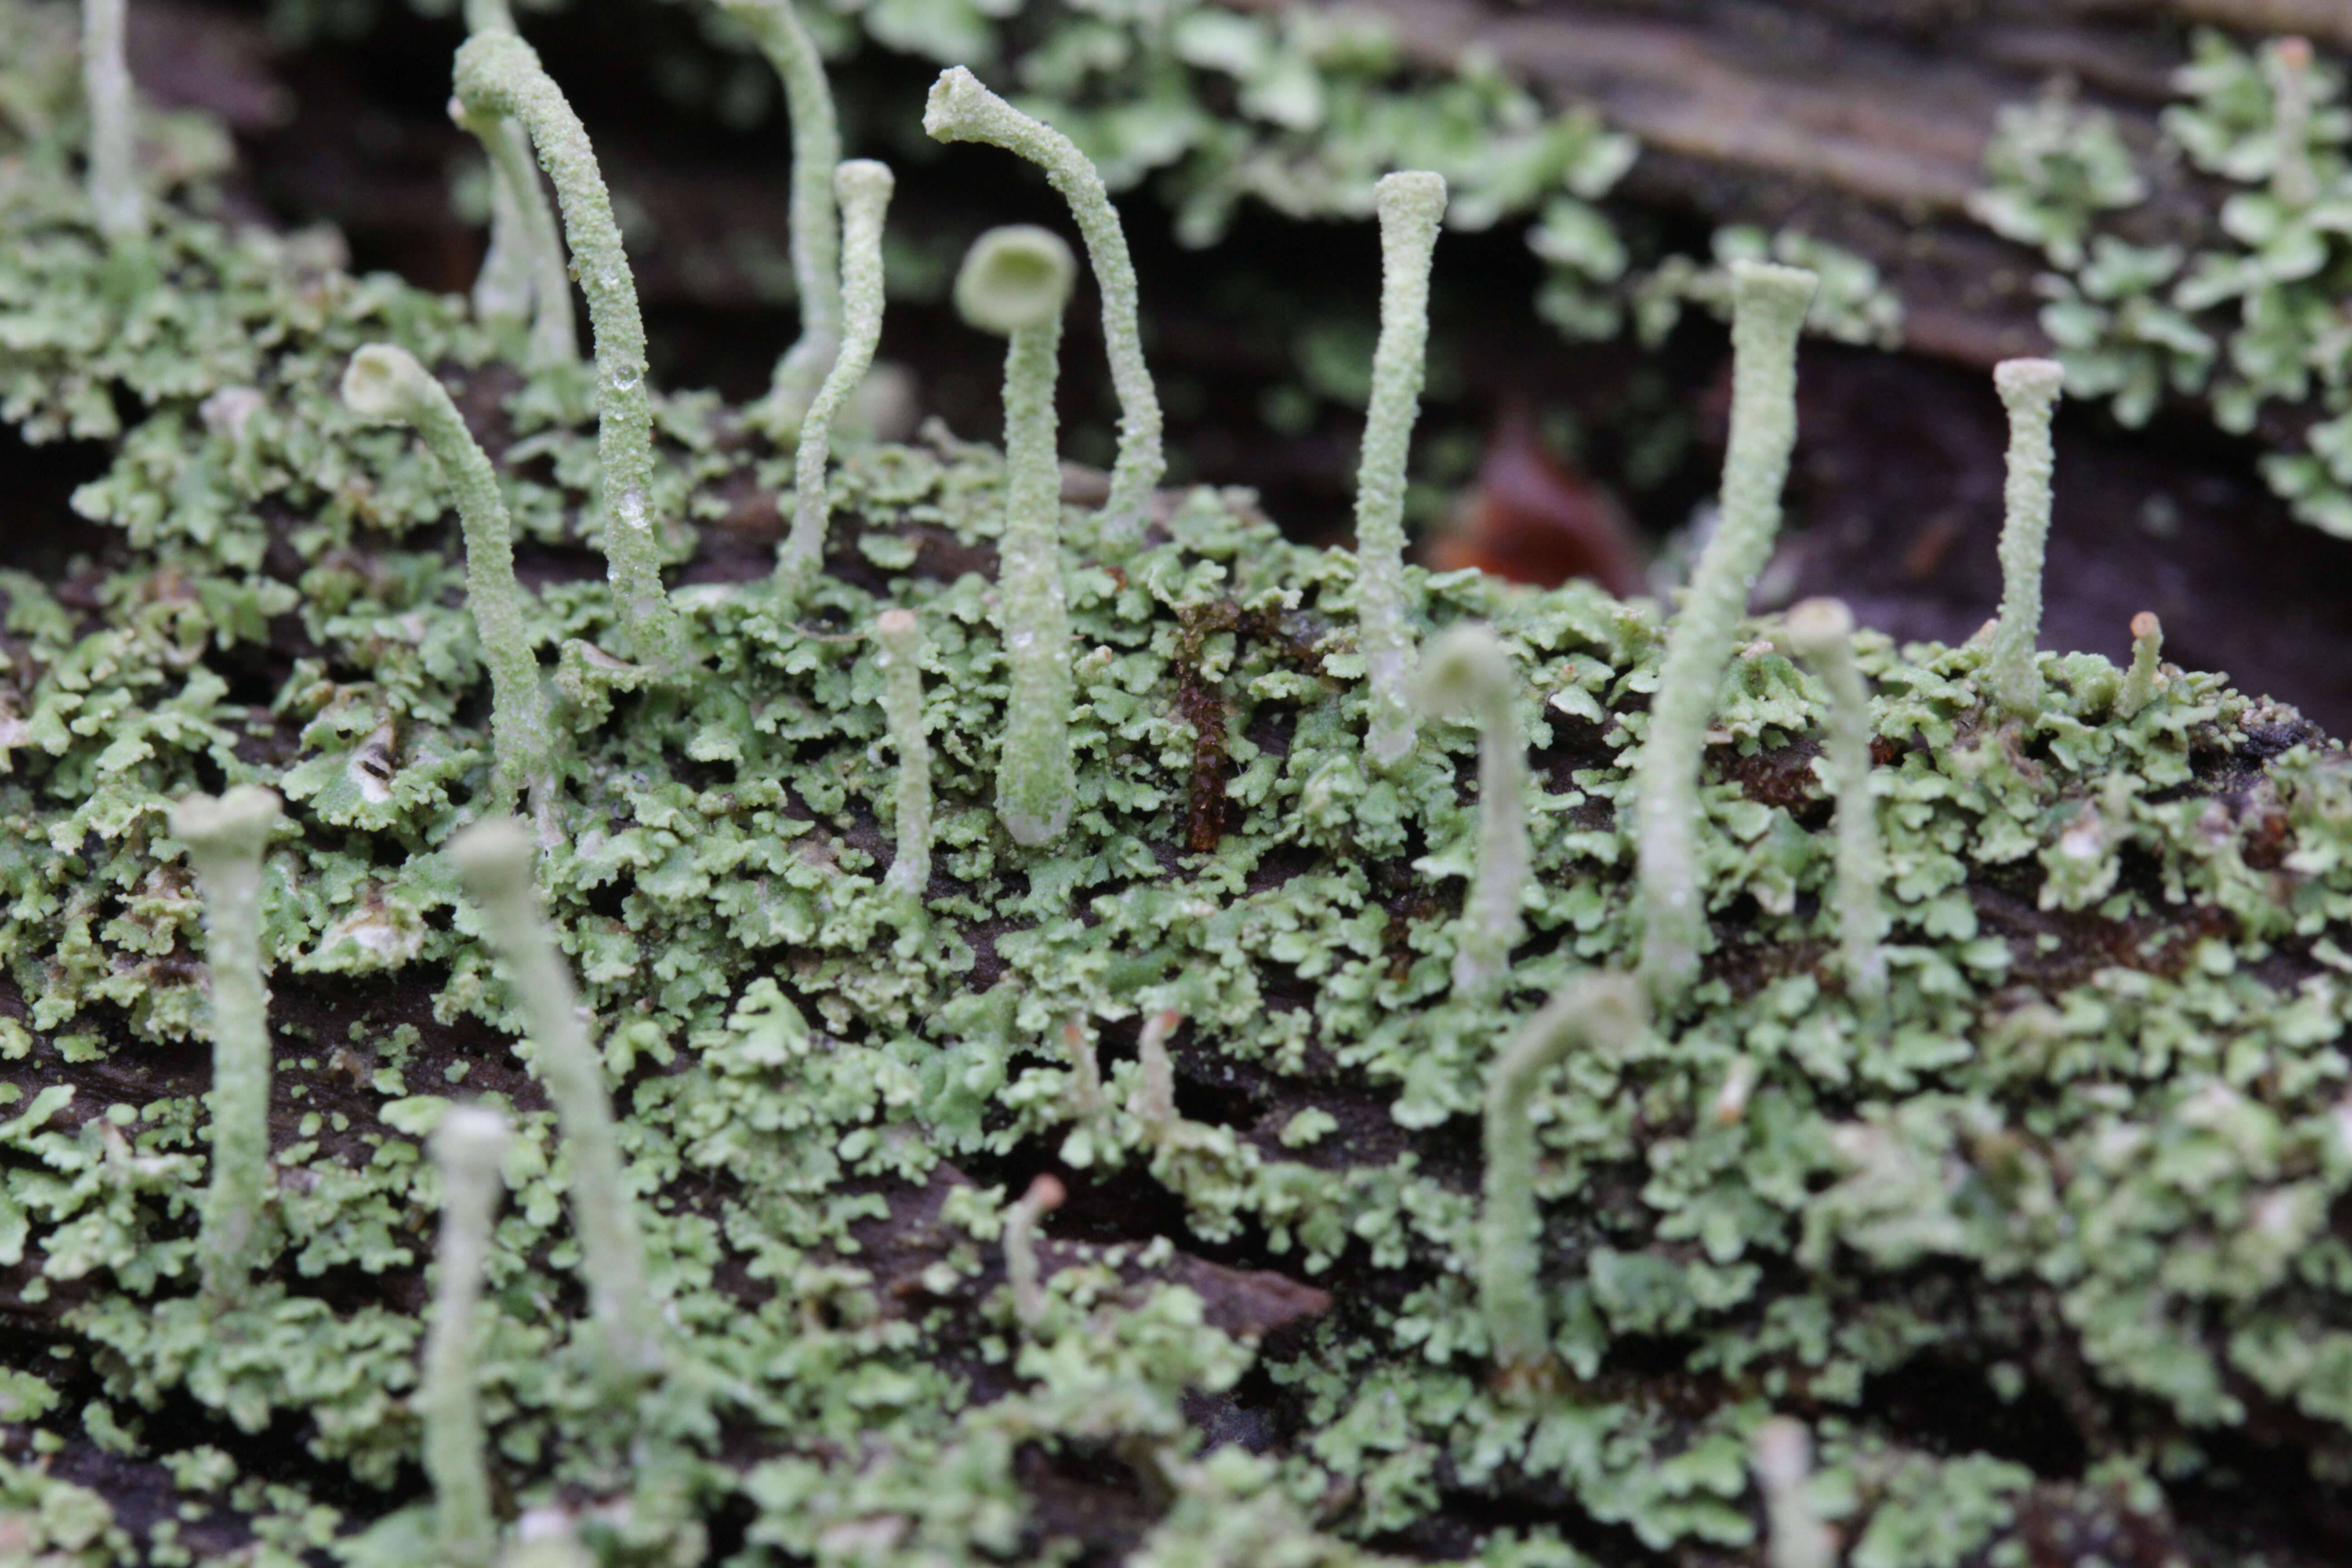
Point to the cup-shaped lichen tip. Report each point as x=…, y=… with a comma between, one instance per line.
x=1819, y=626
x=381, y=384
x=951, y=102
x=1015, y=277
x=231, y=827
x=1463, y=671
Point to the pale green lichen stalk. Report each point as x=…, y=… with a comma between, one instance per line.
x=902, y=649
x=2293, y=180
x=468, y=1146
x=776, y=26
x=1044, y=1195
x=1598, y=1012
x=494, y=861
x=863, y=188
x=1769, y=305
x=2143, y=677
x=498, y=74
x=117, y=203
x=1796, y=1536
x=226, y=838
x=961, y=110
x=1822, y=633
x=1411, y=206
x=1015, y=282
x=1467, y=672
x=1153, y=1101
x=2029, y=390
x=386, y=384
x=524, y=275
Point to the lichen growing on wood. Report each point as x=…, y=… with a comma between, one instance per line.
x=2044, y=1256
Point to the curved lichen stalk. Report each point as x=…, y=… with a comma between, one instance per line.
x=494, y=861
x=1768, y=306
x=1821, y=632
x=498, y=74
x=2029, y=390
x=468, y=1146
x=1015, y=282
x=1467, y=672
x=1045, y=1194
x=524, y=275
x=961, y=110
x=863, y=189
x=1410, y=208
x=775, y=26
x=2141, y=680
x=225, y=839
x=900, y=636
x=385, y=384
x=1600, y=1012
x=116, y=204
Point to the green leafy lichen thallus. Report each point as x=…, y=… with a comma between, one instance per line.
x=2029, y=390
x=900, y=652
x=467, y=1147
x=1796, y=1536
x=961, y=110
x=1467, y=672
x=498, y=74
x=776, y=26
x=1411, y=206
x=116, y=201
x=1822, y=633
x=2141, y=680
x=494, y=860
x=863, y=188
x=1603, y=1013
x=1769, y=305
x=386, y=384
x=225, y=839
x=1015, y=282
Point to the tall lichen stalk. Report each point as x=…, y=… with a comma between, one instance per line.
x=2029, y=390
x=499, y=75
x=117, y=203
x=225, y=839
x=385, y=383
x=776, y=26
x=1015, y=282
x=1601, y=1013
x=961, y=110
x=468, y=1146
x=1411, y=206
x=1821, y=632
x=863, y=187
x=900, y=650
x=1768, y=307
x=494, y=860
x=1467, y=672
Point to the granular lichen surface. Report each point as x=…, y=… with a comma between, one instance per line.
x=2045, y=1249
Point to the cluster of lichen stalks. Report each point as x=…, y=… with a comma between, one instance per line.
x=1016, y=282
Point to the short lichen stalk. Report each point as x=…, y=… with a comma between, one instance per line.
x=901, y=651
x=1153, y=1101
x=1599, y=1012
x=494, y=860
x=499, y=75
x=2141, y=680
x=961, y=110
x=385, y=384
x=1410, y=208
x=1822, y=633
x=2028, y=389
x=116, y=204
x=225, y=839
x=1015, y=282
x=775, y=26
x=2293, y=180
x=1467, y=672
x=1045, y=1194
x=1781, y=1453
x=863, y=189
x=468, y=1146
x=1768, y=307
